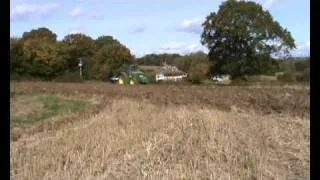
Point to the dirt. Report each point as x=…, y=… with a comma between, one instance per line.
x=266, y=100
x=168, y=131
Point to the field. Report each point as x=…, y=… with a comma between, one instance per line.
x=103, y=131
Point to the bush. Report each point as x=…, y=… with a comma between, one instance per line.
x=199, y=68
x=287, y=77
x=262, y=78
x=69, y=77
x=240, y=81
x=304, y=77
x=18, y=77
x=198, y=73
x=301, y=66
x=151, y=75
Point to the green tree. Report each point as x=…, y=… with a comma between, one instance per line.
x=196, y=65
x=18, y=62
x=38, y=54
x=109, y=60
x=14, y=42
x=40, y=33
x=149, y=60
x=241, y=37
x=157, y=59
x=78, y=46
x=185, y=62
x=105, y=40
x=302, y=65
x=44, y=58
x=198, y=72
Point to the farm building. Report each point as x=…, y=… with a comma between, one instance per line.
x=169, y=73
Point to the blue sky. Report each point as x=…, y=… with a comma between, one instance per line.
x=147, y=26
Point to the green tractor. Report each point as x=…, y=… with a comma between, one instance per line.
x=133, y=75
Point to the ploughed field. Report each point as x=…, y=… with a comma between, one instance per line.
x=103, y=131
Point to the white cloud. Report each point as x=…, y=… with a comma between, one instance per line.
x=76, y=12
x=138, y=29
x=77, y=29
x=269, y=3
x=181, y=48
x=138, y=54
x=193, y=25
x=28, y=11
x=79, y=11
x=174, y=48
x=302, y=49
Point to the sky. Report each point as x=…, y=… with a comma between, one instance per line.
x=147, y=26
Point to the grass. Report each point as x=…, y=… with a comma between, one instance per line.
x=171, y=132
x=50, y=106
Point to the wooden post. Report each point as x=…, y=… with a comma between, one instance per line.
x=80, y=66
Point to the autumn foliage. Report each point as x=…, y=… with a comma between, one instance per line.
x=39, y=54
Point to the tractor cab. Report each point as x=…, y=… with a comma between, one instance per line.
x=131, y=75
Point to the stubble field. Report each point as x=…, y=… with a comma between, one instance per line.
x=103, y=131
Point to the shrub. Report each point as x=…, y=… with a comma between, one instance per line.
x=198, y=72
x=151, y=75
x=69, y=77
x=25, y=77
x=301, y=66
x=304, y=77
x=287, y=77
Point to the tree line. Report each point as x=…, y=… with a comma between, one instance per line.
x=39, y=54
x=242, y=39
x=199, y=67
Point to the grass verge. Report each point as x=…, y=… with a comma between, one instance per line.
x=50, y=106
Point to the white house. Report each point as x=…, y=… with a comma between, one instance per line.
x=163, y=77
x=170, y=73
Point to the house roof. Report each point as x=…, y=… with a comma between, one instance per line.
x=170, y=71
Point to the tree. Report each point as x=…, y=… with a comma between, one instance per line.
x=105, y=40
x=184, y=63
x=14, y=41
x=18, y=63
x=198, y=72
x=195, y=64
x=40, y=33
x=109, y=60
x=44, y=58
x=149, y=60
x=301, y=65
x=157, y=59
x=241, y=37
x=78, y=46
x=37, y=54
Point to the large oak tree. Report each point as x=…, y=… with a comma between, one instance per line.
x=242, y=36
